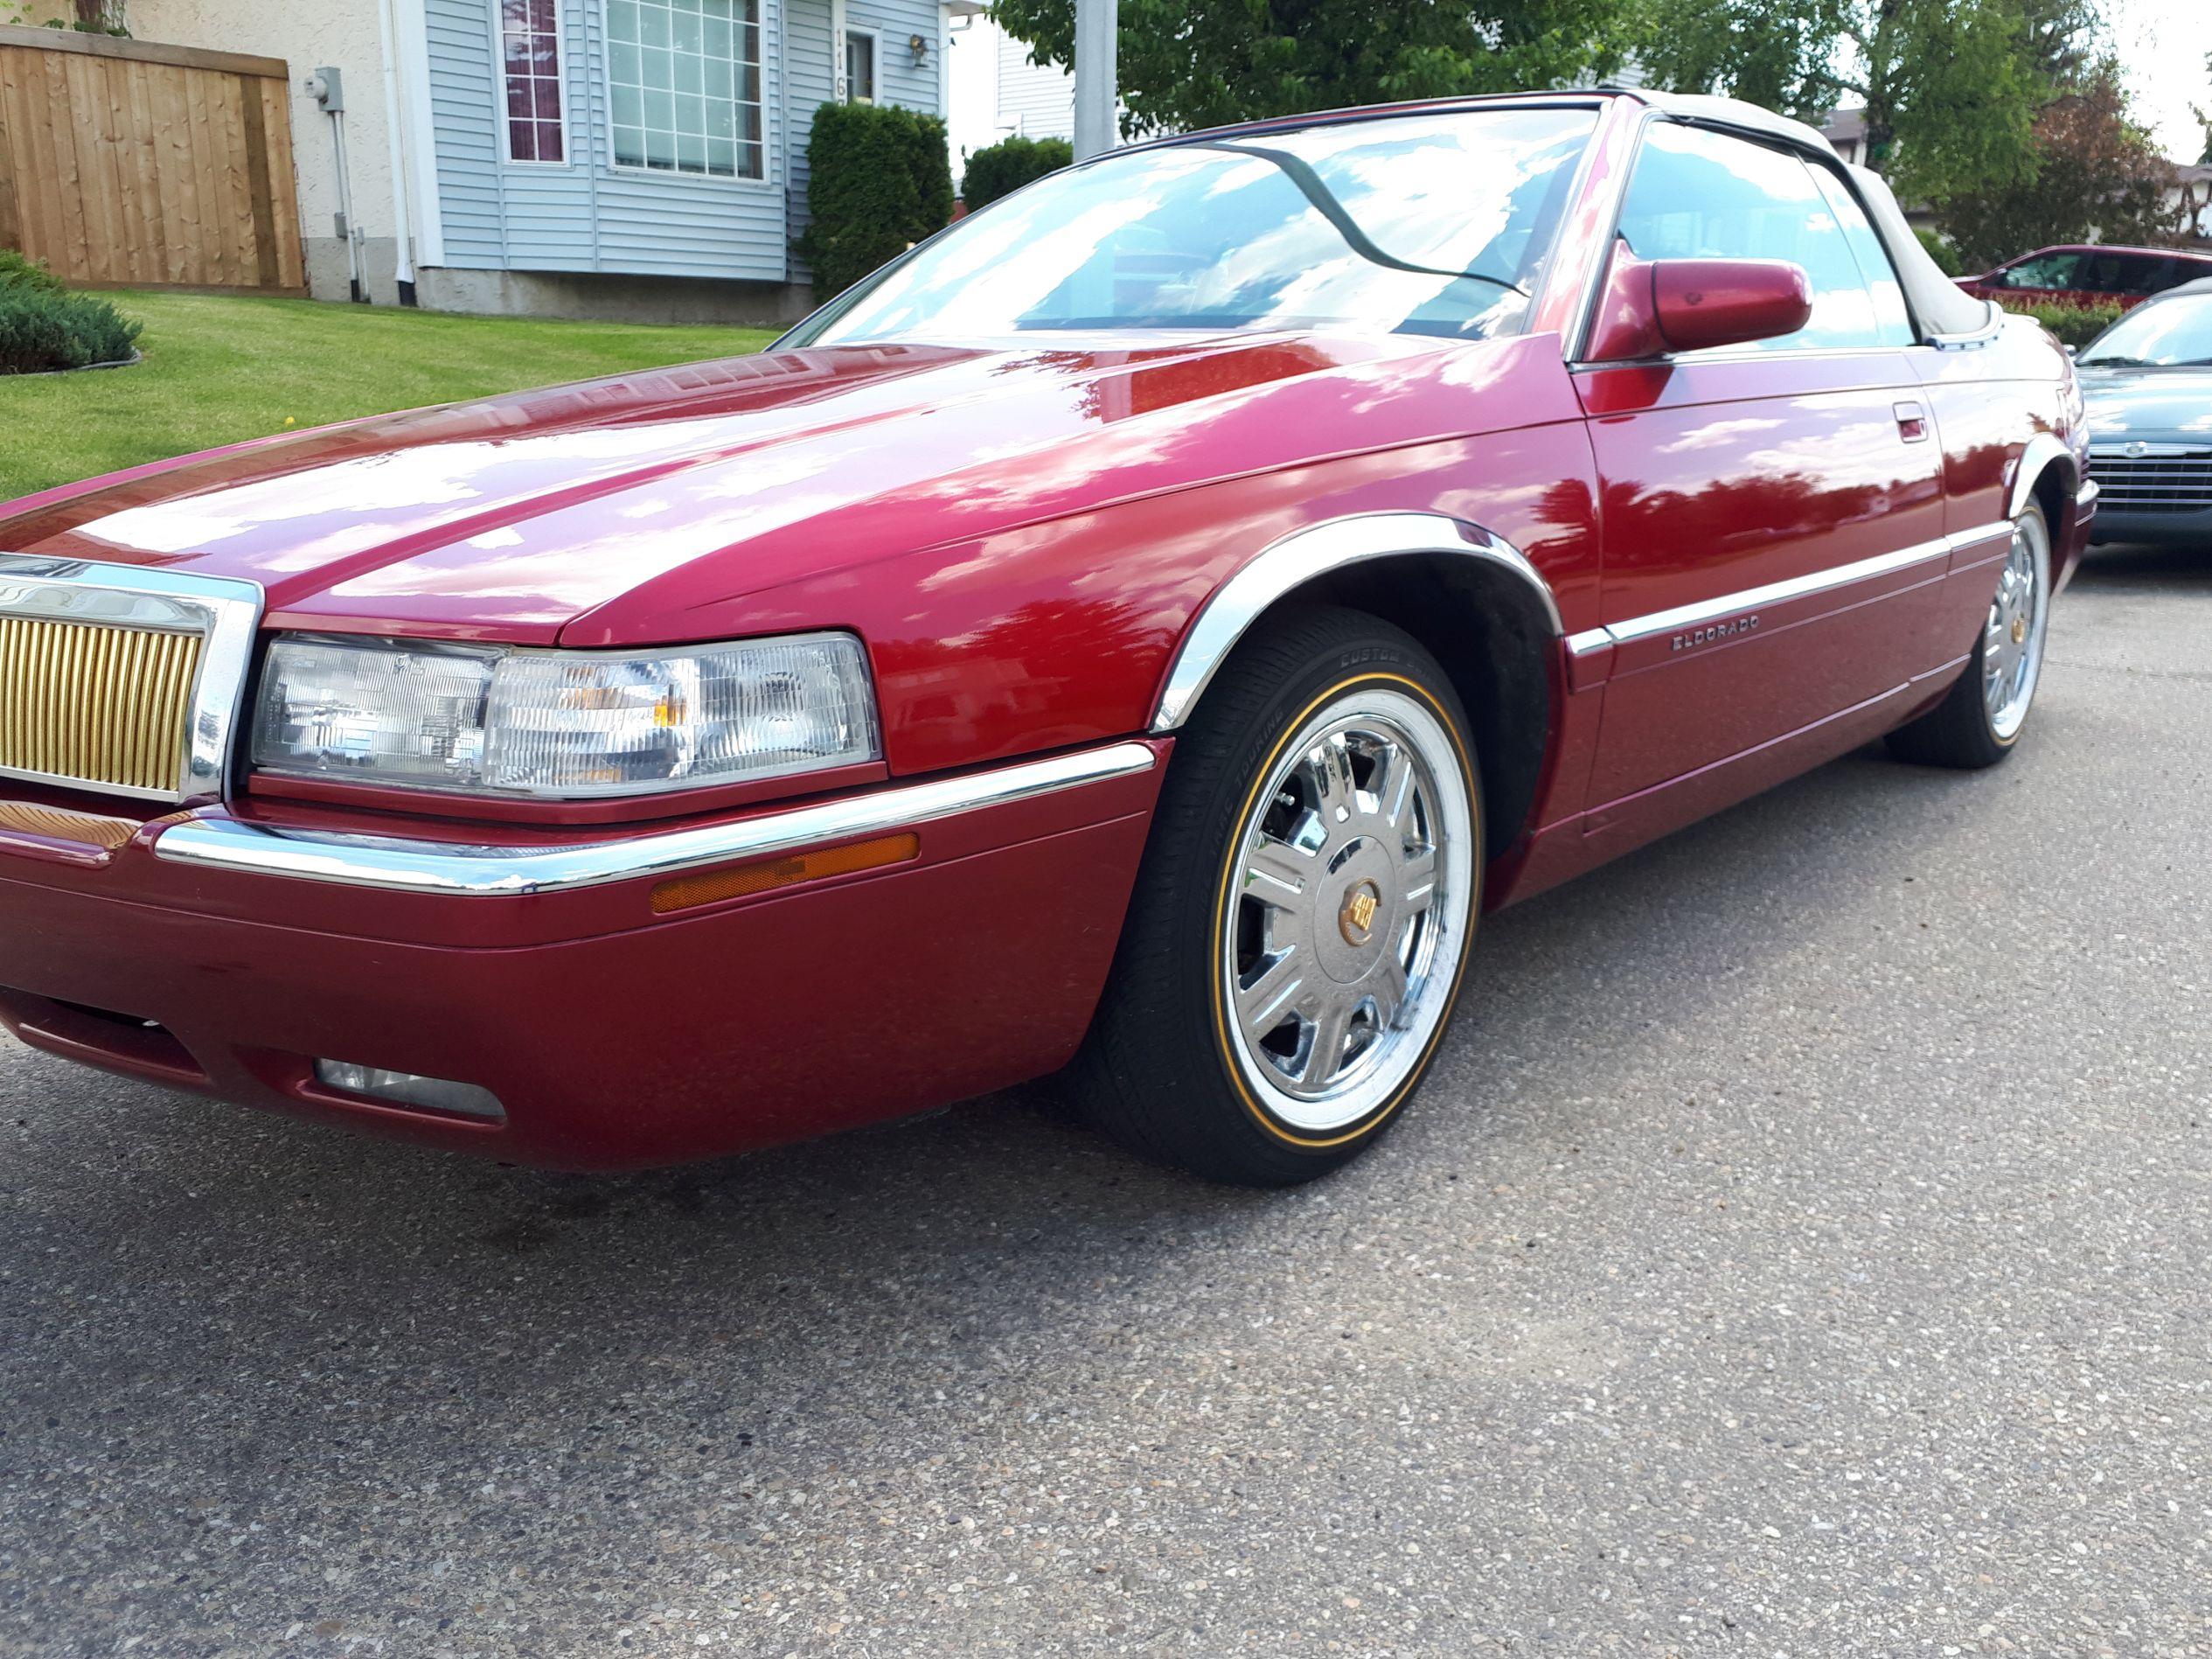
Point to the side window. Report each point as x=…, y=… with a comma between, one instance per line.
x=2145, y=274
x=1891, y=318
x=1703, y=195
x=2045, y=270
x=2100, y=274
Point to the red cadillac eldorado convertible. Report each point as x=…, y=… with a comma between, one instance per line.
x=1138, y=631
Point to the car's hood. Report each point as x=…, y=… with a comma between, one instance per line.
x=514, y=516
x=2166, y=406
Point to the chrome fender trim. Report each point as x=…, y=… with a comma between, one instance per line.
x=1314, y=551
x=2043, y=448
x=400, y=864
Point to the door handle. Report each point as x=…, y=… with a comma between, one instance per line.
x=1912, y=422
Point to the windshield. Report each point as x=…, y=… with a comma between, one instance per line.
x=2167, y=333
x=1425, y=225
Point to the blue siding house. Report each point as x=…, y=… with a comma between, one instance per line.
x=644, y=138
x=642, y=158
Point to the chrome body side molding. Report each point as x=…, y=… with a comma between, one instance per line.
x=468, y=870
x=1301, y=557
x=1725, y=606
x=225, y=612
x=2043, y=448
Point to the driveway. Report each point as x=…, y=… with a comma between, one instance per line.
x=1801, y=1249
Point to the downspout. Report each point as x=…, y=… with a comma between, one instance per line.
x=402, y=227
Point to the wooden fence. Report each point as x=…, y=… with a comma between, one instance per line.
x=121, y=161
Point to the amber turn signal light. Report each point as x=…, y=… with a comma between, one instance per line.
x=688, y=892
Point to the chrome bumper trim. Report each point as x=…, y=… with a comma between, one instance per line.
x=469, y=870
x=2085, y=498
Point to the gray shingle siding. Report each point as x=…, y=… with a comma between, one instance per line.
x=586, y=215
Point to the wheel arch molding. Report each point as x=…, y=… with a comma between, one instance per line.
x=2043, y=456
x=1468, y=595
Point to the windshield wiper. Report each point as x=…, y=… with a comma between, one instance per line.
x=1324, y=203
x=2115, y=361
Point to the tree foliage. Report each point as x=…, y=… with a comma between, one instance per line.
x=1190, y=64
x=880, y=179
x=2098, y=174
x=1001, y=169
x=1950, y=87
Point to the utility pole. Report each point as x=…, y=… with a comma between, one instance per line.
x=1097, y=80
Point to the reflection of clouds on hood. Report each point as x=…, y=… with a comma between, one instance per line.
x=348, y=506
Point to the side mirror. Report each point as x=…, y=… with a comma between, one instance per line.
x=1652, y=307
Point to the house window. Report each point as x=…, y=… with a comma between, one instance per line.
x=683, y=85
x=859, y=68
x=530, y=47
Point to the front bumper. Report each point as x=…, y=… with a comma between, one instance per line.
x=226, y=953
x=2118, y=523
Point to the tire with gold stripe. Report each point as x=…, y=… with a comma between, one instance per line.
x=1302, y=919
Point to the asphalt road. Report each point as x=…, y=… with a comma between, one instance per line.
x=1801, y=1250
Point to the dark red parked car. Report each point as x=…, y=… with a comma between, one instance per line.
x=1145, y=626
x=2089, y=274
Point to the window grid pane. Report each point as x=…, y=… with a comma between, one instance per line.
x=683, y=79
x=530, y=48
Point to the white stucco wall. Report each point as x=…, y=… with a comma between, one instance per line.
x=308, y=34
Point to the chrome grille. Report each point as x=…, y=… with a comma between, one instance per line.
x=2162, y=478
x=121, y=680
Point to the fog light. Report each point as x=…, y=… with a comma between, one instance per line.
x=411, y=1089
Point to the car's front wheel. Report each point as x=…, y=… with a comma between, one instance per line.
x=1303, y=914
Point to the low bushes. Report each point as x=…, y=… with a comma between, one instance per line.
x=2074, y=325
x=44, y=326
x=880, y=179
x=998, y=170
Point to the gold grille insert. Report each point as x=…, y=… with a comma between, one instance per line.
x=104, y=706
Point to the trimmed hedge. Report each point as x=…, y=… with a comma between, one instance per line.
x=2074, y=325
x=44, y=326
x=880, y=179
x=1001, y=169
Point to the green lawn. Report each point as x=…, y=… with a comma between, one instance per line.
x=219, y=369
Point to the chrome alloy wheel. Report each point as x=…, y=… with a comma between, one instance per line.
x=2011, y=646
x=1348, y=909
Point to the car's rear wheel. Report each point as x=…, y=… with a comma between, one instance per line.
x=1301, y=918
x=1980, y=721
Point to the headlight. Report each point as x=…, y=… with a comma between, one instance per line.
x=562, y=725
